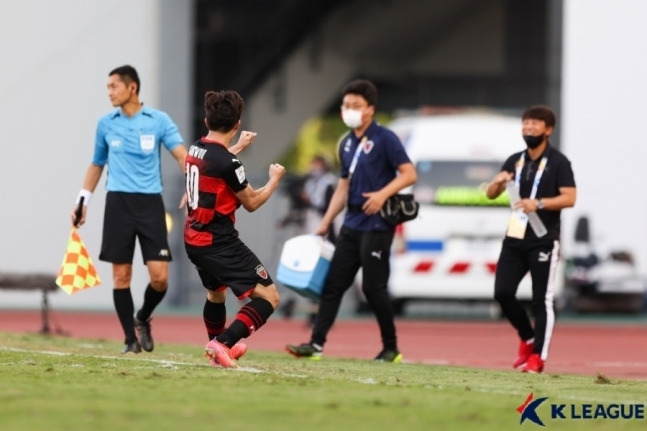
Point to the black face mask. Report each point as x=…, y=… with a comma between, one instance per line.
x=533, y=141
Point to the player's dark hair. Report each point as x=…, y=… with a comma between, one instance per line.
x=364, y=88
x=223, y=109
x=127, y=74
x=540, y=112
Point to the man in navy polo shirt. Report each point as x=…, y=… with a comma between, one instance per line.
x=374, y=166
x=129, y=141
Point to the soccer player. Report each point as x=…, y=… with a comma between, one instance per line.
x=216, y=186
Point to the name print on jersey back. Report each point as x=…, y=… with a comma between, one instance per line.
x=197, y=152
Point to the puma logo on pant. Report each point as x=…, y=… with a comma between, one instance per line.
x=543, y=257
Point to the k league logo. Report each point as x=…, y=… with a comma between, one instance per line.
x=612, y=411
x=528, y=410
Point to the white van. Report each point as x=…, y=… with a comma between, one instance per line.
x=450, y=251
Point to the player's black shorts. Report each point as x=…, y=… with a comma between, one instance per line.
x=134, y=215
x=232, y=264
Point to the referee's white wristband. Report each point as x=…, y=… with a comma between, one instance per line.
x=86, y=195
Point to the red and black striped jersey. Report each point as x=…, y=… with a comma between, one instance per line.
x=213, y=177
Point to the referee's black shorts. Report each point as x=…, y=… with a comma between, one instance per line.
x=130, y=216
x=231, y=265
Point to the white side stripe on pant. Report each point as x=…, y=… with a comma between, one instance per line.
x=548, y=301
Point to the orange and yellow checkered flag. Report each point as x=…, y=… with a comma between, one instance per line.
x=77, y=271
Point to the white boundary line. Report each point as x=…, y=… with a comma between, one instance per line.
x=164, y=362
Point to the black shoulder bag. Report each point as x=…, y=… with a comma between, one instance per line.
x=399, y=208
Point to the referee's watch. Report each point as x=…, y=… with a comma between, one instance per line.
x=540, y=204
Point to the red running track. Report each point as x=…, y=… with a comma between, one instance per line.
x=615, y=350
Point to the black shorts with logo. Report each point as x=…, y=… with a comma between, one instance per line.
x=130, y=216
x=231, y=265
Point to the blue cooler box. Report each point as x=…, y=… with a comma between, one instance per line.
x=304, y=264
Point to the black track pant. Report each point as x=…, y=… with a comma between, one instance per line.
x=371, y=252
x=516, y=259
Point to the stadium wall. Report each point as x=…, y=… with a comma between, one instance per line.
x=56, y=57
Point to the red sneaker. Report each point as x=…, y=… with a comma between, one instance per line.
x=238, y=350
x=535, y=365
x=219, y=354
x=525, y=350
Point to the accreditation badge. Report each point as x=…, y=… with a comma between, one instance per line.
x=147, y=143
x=517, y=224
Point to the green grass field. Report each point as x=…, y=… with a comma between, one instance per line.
x=58, y=383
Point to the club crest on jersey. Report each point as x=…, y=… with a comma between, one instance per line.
x=368, y=146
x=260, y=270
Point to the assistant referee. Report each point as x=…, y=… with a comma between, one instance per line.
x=129, y=140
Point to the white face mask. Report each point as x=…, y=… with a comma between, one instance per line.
x=352, y=117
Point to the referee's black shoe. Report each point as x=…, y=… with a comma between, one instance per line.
x=144, y=332
x=132, y=347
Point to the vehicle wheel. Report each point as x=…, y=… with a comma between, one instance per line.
x=495, y=311
x=362, y=307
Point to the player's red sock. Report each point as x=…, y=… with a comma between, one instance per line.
x=250, y=317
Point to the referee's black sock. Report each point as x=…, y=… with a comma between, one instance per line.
x=125, y=308
x=152, y=298
x=215, y=318
x=250, y=317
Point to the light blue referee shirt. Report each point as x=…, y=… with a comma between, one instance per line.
x=130, y=146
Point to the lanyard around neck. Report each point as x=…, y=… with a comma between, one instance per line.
x=353, y=164
x=538, y=174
